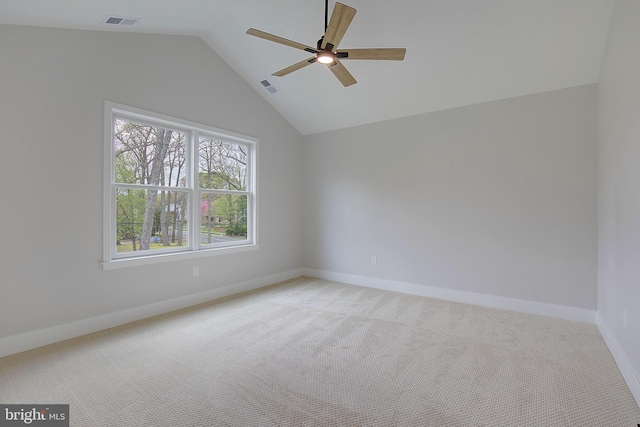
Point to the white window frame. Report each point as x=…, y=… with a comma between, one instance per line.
x=194, y=248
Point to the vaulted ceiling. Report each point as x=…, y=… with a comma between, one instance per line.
x=459, y=52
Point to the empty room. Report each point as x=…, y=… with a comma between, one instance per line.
x=310, y=212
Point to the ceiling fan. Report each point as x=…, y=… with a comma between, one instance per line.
x=327, y=51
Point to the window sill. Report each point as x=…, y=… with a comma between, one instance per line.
x=178, y=256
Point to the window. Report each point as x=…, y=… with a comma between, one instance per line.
x=174, y=187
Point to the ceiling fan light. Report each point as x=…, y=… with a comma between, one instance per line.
x=326, y=57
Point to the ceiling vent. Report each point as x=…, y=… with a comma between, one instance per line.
x=120, y=20
x=265, y=83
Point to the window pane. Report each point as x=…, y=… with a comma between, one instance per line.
x=223, y=165
x=223, y=218
x=151, y=155
x=150, y=220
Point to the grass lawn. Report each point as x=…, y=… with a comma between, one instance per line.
x=128, y=247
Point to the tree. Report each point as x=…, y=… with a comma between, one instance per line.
x=173, y=173
x=160, y=147
x=129, y=203
x=223, y=166
x=180, y=213
x=150, y=163
x=153, y=156
x=130, y=209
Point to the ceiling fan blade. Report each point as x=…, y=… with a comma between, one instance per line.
x=389, y=54
x=341, y=18
x=281, y=40
x=294, y=67
x=342, y=74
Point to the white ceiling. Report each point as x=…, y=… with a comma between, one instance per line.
x=459, y=52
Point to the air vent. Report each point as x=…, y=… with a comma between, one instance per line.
x=268, y=86
x=120, y=20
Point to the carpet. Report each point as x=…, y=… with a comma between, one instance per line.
x=309, y=352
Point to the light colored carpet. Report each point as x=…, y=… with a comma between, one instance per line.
x=312, y=352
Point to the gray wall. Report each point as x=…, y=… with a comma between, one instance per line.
x=496, y=198
x=53, y=84
x=619, y=184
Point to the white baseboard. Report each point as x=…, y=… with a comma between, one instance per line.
x=626, y=369
x=29, y=340
x=530, y=307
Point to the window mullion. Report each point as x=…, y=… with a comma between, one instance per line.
x=195, y=185
x=232, y=192
x=149, y=187
x=112, y=222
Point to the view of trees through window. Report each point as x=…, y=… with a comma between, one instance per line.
x=222, y=171
x=154, y=183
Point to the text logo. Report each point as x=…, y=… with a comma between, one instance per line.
x=38, y=415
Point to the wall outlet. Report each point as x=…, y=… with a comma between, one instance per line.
x=624, y=318
x=196, y=271
x=374, y=260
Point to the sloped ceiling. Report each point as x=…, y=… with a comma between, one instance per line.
x=459, y=52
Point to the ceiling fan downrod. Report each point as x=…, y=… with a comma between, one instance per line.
x=326, y=14
x=326, y=23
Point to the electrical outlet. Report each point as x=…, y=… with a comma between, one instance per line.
x=196, y=271
x=624, y=318
x=374, y=260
